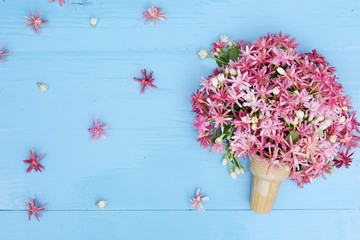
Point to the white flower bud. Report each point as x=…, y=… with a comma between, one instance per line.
x=224, y=38
x=230, y=44
x=345, y=108
x=281, y=71
x=224, y=162
x=239, y=170
x=214, y=81
x=93, y=22
x=300, y=114
x=101, y=204
x=42, y=86
x=254, y=127
x=323, y=126
x=203, y=54
x=233, y=175
x=227, y=71
x=342, y=119
x=233, y=72
x=221, y=77
x=327, y=123
x=276, y=90
x=320, y=118
x=333, y=138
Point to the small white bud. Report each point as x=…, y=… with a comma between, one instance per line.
x=214, y=81
x=203, y=54
x=327, y=123
x=333, y=138
x=342, y=119
x=230, y=44
x=221, y=77
x=323, y=126
x=93, y=22
x=42, y=86
x=101, y=204
x=276, y=90
x=224, y=162
x=239, y=170
x=227, y=71
x=233, y=72
x=300, y=114
x=233, y=175
x=320, y=118
x=281, y=71
x=254, y=126
x=224, y=38
x=345, y=108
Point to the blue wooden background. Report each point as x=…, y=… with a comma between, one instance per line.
x=151, y=164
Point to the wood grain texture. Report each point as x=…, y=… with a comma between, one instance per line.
x=151, y=164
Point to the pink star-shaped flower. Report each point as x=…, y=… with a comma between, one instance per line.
x=3, y=53
x=98, y=130
x=35, y=21
x=197, y=201
x=154, y=14
x=34, y=210
x=146, y=81
x=34, y=162
x=61, y=2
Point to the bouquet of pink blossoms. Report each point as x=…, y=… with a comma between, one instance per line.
x=268, y=99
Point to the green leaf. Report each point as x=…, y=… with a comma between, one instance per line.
x=294, y=135
x=234, y=53
x=224, y=59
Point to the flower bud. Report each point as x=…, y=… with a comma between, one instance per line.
x=233, y=175
x=203, y=54
x=345, y=108
x=227, y=71
x=320, y=118
x=221, y=77
x=214, y=81
x=239, y=170
x=333, y=138
x=254, y=127
x=300, y=114
x=42, y=86
x=233, y=72
x=276, y=90
x=224, y=162
x=281, y=71
x=101, y=204
x=93, y=22
x=342, y=119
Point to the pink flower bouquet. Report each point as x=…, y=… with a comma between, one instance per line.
x=269, y=100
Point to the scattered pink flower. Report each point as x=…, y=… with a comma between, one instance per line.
x=34, y=210
x=3, y=53
x=61, y=2
x=197, y=201
x=154, y=14
x=146, y=81
x=35, y=21
x=34, y=162
x=98, y=130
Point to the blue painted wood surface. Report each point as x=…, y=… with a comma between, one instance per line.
x=151, y=164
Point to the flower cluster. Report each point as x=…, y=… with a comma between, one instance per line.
x=271, y=100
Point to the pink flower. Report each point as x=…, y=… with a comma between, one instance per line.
x=3, y=53
x=98, y=130
x=35, y=21
x=197, y=201
x=146, y=81
x=61, y=2
x=34, y=210
x=34, y=162
x=154, y=14
x=344, y=158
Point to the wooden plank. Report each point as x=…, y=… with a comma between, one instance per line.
x=214, y=225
